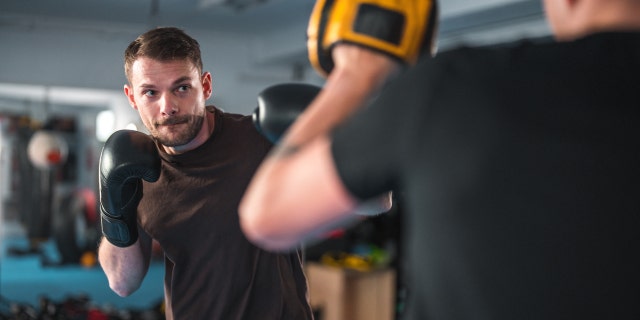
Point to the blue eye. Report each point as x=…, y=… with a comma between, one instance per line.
x=149, y=93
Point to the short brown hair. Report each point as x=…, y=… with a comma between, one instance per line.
x=163, y=44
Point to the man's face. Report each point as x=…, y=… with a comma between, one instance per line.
x=170, y=97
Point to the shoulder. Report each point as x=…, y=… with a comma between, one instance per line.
x=225, y=119
x=240, y=126
x=226, y=116
x=478, y=65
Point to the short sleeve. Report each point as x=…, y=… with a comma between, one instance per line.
x=370, y=149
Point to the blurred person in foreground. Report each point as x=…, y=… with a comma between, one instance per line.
x=517, y=167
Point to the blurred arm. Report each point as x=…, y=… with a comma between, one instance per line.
x=296, y=196
x=358, y=72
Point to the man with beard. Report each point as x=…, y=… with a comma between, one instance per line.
x=206, y=158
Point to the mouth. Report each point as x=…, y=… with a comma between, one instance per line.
x=172, y=122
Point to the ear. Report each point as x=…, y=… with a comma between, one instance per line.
x=207, y=86
x=128, y=91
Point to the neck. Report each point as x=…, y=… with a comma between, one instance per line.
x=603, y=16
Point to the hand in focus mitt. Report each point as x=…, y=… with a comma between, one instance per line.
x=402, y=29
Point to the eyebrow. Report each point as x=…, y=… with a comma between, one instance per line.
x=181, y=79
x=175, y=83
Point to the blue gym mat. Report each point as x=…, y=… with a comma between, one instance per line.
x=24, y=279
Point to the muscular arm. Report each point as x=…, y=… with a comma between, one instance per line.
x=296, y=196
x=358, y=72
x=125, y=267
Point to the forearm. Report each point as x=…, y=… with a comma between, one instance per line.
x=277, y=213
x=125, y=268
x=296, y=195
x=357, y=75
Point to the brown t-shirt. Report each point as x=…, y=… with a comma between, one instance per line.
x=212, y=270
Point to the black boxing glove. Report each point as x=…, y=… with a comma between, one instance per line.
x=127, y=157
x=280, y=105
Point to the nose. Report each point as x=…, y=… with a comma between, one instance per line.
x=167, y=106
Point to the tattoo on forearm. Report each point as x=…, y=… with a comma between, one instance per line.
x=284, y=150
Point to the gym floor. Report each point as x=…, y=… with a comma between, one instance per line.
x=25, y=279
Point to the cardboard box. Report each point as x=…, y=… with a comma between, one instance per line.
x=344, y=294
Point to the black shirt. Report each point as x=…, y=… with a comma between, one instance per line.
x=520, y=177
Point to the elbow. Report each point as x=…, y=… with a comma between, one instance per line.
x=262, y=232
x=254, y=229
x=124, y=282
x=122, y=288
x=251, y=229
x=124, y=268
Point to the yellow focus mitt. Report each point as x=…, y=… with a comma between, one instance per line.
x=403, y=29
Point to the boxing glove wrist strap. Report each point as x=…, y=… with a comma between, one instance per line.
x=117, y=231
